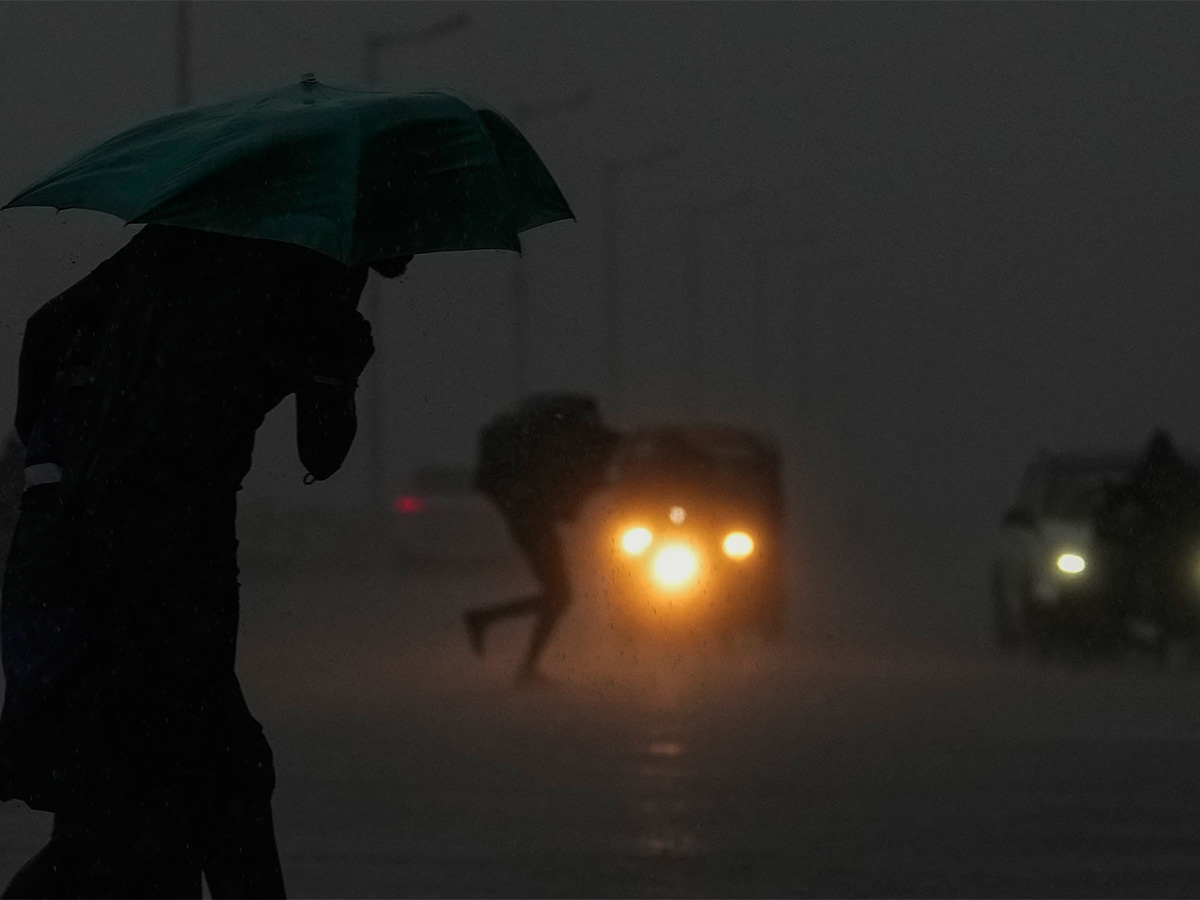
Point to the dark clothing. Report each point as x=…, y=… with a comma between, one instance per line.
x=559, y=452
x=542, y=548
x=542, y=461
x=560, y=476
x=12, y=483
x=120, y=604
x=1152, y=520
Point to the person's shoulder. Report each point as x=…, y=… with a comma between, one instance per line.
x=82, y=300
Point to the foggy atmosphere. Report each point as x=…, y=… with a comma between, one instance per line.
x=913, y=286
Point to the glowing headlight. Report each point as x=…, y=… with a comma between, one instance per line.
x=1071, y=563
x=636, y=540
x=675, y=565
x=738, y=545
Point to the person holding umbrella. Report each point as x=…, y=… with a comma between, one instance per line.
x=122, y=711
x=142, y=388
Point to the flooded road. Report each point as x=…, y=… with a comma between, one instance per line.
x=818, y=767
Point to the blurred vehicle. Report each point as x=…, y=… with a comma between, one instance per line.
x=695, y=536
x=440, y=517
x=1051, y=580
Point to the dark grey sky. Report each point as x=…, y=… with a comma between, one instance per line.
x=1003, y=196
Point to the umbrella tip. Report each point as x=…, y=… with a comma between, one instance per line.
x=308, y=78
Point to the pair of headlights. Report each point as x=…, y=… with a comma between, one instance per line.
x=676, y=564
x=736, y=545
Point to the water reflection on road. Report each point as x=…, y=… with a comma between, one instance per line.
x=409, y=767
x=662, y=796
x=813, y=768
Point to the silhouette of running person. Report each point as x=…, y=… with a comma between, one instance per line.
x=539, y=465
x=140, y=391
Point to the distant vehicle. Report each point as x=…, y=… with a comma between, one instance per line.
x=695, y=543
x=1051, y=580
x=439, y=516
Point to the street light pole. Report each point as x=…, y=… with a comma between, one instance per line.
x=692, y=217
x=611, y=172
x=522, y=115
x=373, y=47
x=764, y=254
x=183, y=54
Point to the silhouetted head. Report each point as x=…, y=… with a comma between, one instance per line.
x=392, y=268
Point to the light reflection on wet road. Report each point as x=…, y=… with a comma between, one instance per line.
x=407, y=767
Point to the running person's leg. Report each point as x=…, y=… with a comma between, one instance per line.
x=549, y=567
x=529, y=534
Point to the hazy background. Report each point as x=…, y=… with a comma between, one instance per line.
x=968, y=231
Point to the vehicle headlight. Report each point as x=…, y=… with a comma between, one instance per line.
x=636, y=540
x=1071, y=563
x=675, y=565
x=738, y=545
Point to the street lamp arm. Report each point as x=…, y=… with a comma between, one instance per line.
x=375, y=43
x=380, y=40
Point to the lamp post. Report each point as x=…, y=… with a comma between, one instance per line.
x=611, y=172
x=374, y=46
x=183, y=52
x=693, y=216
x=789, y=250
x=522, y=115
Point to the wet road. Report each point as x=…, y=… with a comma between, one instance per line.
x=408, y=767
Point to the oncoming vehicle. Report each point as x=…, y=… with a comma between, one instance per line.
x=696, y=539
x=1052, y=581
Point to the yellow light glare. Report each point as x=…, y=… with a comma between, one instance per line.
x=675, y=565
x=677, y=515
x=738, y=545
x=636, y=540
x=1071, y=563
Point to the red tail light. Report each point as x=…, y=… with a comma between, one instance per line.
x=408, y=504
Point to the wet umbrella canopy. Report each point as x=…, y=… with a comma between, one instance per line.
x=357, y=175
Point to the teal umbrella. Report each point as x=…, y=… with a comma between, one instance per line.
x=357, y=175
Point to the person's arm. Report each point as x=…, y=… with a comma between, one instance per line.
x=326, y=422
x=326, y=419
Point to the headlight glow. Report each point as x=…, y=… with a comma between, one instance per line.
x=738, y=545
x=636, y=540
x=675, y=565
x=1071, y=563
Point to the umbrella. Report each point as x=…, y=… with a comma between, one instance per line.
x=357, y=175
